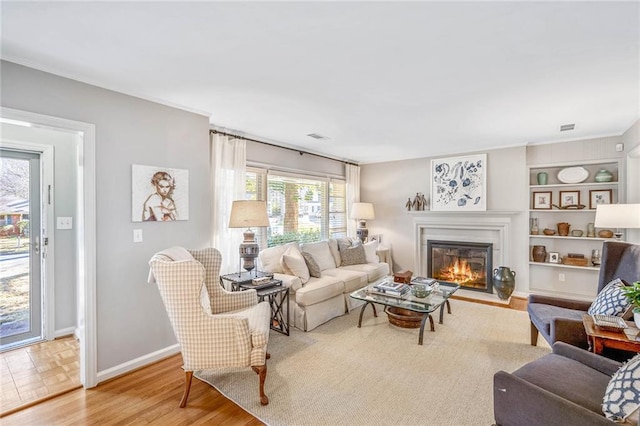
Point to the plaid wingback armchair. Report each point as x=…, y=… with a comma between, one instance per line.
x=214, y=327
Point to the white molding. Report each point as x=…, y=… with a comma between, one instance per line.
x=86, y=235
x=137, y=363
x=64, y=332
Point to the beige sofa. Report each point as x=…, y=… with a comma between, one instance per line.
x=315, y=300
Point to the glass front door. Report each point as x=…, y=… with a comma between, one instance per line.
x=20, y=249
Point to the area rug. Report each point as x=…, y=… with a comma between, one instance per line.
x=339, y=374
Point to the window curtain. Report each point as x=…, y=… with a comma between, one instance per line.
x=228, y=159
x=352, y=173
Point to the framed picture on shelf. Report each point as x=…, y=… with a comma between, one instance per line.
x=569, y=198
x=554, y=257
x=599, y=196
x=542, y=200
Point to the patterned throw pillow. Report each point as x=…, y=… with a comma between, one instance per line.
x=354, y=255
x=611, y=300
x=314, y=269
x=621, y=400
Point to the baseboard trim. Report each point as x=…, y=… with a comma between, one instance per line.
x=137, y=363
x=64, y=332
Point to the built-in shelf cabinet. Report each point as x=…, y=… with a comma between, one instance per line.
x=558, y=278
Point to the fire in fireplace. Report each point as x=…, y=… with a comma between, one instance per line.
x=468, y=264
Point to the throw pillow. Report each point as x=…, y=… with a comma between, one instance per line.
x=370, y=250
x=314, y=269
x=354, y=255
x=296, y=264
x=271, y=258
x=611, y=300
x=321, y=254
x=333, y=246
x=621, y=400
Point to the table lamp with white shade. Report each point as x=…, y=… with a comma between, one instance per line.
x=362, y=212
x=618, y=216
x=245, y=214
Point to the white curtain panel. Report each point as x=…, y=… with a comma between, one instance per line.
x=353, y=194
x=228, y=159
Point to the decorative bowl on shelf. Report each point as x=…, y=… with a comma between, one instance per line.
x=605, y=233
x=573, y=175
x=548, y=231
x=577, y=233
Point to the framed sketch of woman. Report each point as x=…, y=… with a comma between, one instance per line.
x=159, y=194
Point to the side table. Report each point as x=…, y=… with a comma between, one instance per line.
x=240, y=278
x=278, y=297
x=599, y=339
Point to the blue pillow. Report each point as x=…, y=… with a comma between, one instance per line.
x=611, y=300
x=621, y=400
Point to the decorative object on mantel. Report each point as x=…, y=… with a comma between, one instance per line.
x=573, y=175
x=459, y=183
x=563, y=228
x=419, y=203
x=603, y=176
x=542, y=178
x=539, y=253
x=504, y=281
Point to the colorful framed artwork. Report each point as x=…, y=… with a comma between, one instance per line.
x=459, y=183
x=542, y=200
x=569, y=198
x=599, y=196
x=159, y=194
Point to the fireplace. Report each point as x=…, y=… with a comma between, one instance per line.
x=468, y=264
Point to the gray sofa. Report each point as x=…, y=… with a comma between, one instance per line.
x=320, y=299
x=565, y=388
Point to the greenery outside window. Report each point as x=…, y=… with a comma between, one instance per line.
x=301, y=208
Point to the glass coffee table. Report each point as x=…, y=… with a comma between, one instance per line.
x=408, y=311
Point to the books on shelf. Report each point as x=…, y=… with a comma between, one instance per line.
x=391, y=288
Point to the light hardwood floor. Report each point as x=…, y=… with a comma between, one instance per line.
x=147, y=396
x=38, y=371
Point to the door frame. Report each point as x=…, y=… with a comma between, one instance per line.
x=47, y=274
x=85, y=232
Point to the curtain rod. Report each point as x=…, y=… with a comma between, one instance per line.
x=300, y=151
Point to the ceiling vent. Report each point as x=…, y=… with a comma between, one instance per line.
x=566, y=127
x=317, y=136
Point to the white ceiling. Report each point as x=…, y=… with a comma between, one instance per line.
x=383, y=80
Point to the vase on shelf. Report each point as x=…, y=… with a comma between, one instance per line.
x=504, y=281
x=539, y=253
x=603, y=176
x=534, y=226
x=563, y=229
x=591, y=230
x=542, y=178
x=595, y=257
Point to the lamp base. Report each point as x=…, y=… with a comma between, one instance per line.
x=249, y=250
x=363, y=234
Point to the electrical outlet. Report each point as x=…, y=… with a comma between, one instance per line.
x=137, y=235
x=64, y=223
x=561, y=277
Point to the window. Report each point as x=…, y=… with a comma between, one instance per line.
x=300, y=208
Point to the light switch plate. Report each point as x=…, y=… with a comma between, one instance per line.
x=137, y=235
x=64, y=223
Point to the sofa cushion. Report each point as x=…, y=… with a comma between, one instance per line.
x=314, y=269
x=335, y=251
x=270, y=258
x=611, y=300
x=550, y=373
x=353, y=280
x=373, y=270
x=321, y=254
x=370, y=250
x=621, y=400
x=318, y=290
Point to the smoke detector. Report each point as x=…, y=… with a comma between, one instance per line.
x=565, y=127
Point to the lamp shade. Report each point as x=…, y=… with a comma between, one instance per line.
x=362, y=211
x=617, y=216
x=248, y=213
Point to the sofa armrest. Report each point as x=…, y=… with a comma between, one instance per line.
x=602, y=364
x=291, y=281
x=517, y=402
x=569, y=331
x=562, y=303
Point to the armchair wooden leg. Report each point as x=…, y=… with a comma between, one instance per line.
x=262, y=373
x=187, y=388
x=534, y=335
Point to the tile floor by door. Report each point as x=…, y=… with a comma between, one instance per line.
x=37, y=372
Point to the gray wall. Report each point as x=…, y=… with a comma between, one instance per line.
x=131, y=320
x=64, y=205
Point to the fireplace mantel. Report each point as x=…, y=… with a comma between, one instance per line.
x=465, y=213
